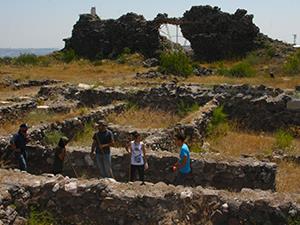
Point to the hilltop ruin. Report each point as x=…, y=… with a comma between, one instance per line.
x=212, y=33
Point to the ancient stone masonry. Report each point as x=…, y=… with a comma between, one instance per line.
x=212, y=33
x=96, y=38
x=72, y=201
x=15, y=111
x=216, y=35
x=30, y=83
x=227, y=174
x=259, y=108
x=256, y=107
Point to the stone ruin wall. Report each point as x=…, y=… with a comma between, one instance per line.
x=249, y=105
x=72, y=201
x=216, y=207
x=212, y=33
x=233, y=175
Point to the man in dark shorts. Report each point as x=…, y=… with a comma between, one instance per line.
x=102, y=141
x=18, y=144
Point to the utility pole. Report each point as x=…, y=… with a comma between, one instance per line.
x=177, y=30
x=295, y=39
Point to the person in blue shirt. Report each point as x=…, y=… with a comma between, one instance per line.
x=18, y=144
x=183, y=165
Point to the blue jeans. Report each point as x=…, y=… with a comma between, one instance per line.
x=22, y=160
x=104, y=164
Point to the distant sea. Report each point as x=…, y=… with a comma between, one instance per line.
x=15, y=52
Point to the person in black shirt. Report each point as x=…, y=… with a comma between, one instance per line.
x=59, y=155
x=18, y=144
x=102, y=141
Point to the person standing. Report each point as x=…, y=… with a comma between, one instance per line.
x=183, y=165
x=138, y=157
x=18, y=144
x=102, y=142
x=59, y=155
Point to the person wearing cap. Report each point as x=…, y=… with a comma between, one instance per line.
x=18, y=144
x=59, y=155
x=102, y=142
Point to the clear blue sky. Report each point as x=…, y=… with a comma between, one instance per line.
x=44, y=23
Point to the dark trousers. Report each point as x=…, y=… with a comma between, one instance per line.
x=181, y=178
x=140, y=170
x=22, y=160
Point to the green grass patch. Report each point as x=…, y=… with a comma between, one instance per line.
x=218, y=126
x=67, y=56
x=84, y=137
x=294, y=220
x=183, y=108
x=37, y=217
x=284, y=140
x=52, y=137
x=26, y=59
x=176, y=63
x=242, y=69
x=292, y=65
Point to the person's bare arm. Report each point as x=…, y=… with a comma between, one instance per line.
x=62, y=155
x=178, y=165
x=128, y=147
x=93, y=147
x=144, y=152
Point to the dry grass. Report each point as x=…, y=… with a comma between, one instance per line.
x=6, y=93
x=37, y=117
x=144, y=118
x=287, y=179
x=109, y=73
x=236, y=143
x=278, y=82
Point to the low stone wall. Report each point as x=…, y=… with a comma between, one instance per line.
x=222, y=174
x=71, y=127
x=256, y=107
x=73, y=201
x=16, y=110
x=17, y=84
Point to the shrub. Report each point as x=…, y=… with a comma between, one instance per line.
x=176, y=63
x=242, y=69
x=84, y=137
x=45, y=60
x=252, y=59
x=184, y=108
x=52, y=137
x=270, y=51
x=27, y=59
x=294, y=220
x=68, y=56
x=40, y=218
x=292, y=65
x=284, y=140
x=218, y=125
x=5, y=60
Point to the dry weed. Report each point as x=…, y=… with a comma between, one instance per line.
x=37, y=117
x=144, y=118
x=287, y=179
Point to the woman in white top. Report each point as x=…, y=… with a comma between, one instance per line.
x=138, y=157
